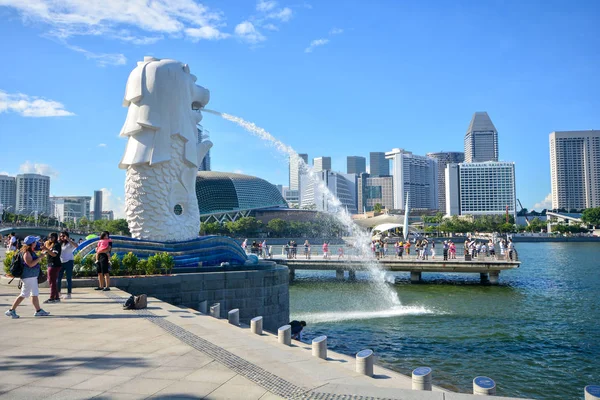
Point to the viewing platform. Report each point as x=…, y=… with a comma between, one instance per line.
x=488, y=268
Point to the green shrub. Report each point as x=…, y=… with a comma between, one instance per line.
x=166, y=262
x=141, y=267
x=87, y=267
x=130, y=263
x=7, y=260
x=77, y=260
x=115, y=265
x=153, y=265
x=43, y=262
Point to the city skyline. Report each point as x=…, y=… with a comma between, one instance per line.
x=299, y=84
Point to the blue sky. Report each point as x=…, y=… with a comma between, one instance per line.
x=329, y=78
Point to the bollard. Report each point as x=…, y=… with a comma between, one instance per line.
x=319, y=347
x=592, y=392
x=364, y=362
x=482, y=385
x=339, y=274
x=215, y=310
x=284, y=335
x=203, y=307
x=234, y=316
x=256, y=325
x=352, y=275
x=421, y=378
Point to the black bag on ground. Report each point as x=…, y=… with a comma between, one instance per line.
x=129, y=304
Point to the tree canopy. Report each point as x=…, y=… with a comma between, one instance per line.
x=591, y=216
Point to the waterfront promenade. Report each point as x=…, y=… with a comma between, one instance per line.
x=90, y=348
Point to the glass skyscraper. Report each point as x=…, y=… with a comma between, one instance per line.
x=356, y=165
x=481, y=139
x=378, y=164
x=444, y=158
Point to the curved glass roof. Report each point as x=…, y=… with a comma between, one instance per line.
x=219, y=192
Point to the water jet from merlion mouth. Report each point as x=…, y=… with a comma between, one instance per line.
x=386, y=296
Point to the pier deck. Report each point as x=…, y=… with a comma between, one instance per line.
x=488, y=268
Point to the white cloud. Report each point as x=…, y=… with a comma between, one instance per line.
x=4, y=173
x=102, y=59
x=270, y=27
x=206, y=32
x=31, y=106
x=316, y=43
x=238, y=171
x=546, y=203
x=34, y=168
x=141, y=40
x=248, y=33
x=283, y=15
x=265, y=5
x=112, y=202
x=68, y=18
x=102, y=145
x=336, y=31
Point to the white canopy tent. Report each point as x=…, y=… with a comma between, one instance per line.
x=386, y=227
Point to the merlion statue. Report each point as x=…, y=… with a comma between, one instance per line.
x=162, y=154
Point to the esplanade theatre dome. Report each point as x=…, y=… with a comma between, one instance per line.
x=226, y=192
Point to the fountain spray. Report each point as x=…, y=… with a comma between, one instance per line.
x=362, y=239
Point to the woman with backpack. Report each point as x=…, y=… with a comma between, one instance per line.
x=29, y=278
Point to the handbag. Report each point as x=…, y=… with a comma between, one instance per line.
x=42, y=277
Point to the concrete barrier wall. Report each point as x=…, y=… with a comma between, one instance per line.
x=255, y=292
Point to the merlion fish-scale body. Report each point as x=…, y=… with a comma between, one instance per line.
x=163, y=151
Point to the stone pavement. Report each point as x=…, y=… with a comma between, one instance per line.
x=90, y=348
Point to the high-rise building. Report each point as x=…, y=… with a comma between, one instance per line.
x=376, y=190
x=575, y=169
x=322, y=164
x=444, y=158
x=71, y=208
x=342, y=186
x=8, y=193
x=486, y=188
x=97, y=205
x=292, y=197
x=203, y=135
x=297, y=162
x=108, y=215
x=378, y=164
x=481, y=139
x=33, y=194
x=416, y=177
x=356, y=165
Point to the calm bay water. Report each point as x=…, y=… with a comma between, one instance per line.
x=537, y=334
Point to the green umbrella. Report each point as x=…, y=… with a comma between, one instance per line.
x=88, y=237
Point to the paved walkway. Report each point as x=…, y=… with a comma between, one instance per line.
x=90, y=348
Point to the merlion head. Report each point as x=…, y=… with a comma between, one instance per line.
x=163, y=100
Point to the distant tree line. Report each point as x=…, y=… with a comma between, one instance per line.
x=326, y=226
x=83, y=224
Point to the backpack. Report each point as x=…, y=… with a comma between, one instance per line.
x=16, y=266
x=129, y=304
x=140, y=302
x=136, y=302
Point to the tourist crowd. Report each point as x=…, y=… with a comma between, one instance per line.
x=58, y=250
